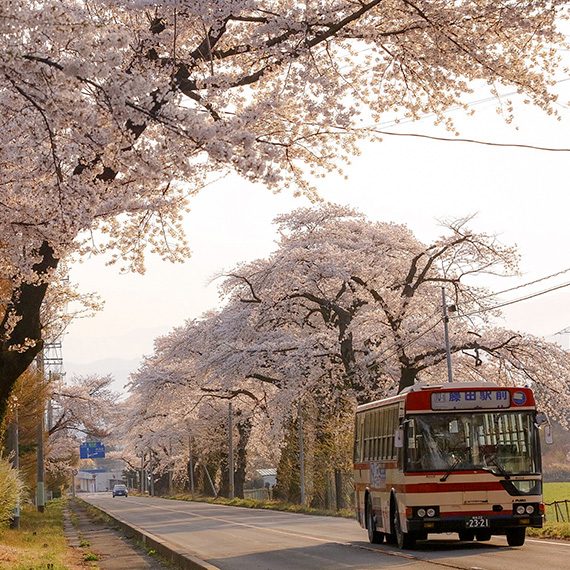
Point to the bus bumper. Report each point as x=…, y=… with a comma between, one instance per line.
x=495, y=525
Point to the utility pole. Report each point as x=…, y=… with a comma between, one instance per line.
x=142, y=473
x=151, y=473
x=170, y=469
x=301, y=452
x=14, y=446
x=191, y=465
x=231, y=450
x=446, y=335
x=40, y=469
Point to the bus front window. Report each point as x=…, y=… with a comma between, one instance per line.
x=502, y=442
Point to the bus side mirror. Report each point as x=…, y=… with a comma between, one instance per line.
x=548, y=434
x=399, y=438
x=541, y=419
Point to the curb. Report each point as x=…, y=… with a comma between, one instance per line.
x=183, y=559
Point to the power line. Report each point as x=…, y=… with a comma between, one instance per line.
x=472, y=141
x=465, y=140
x=512, y=302
x=525, y=284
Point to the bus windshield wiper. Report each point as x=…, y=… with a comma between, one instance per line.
x=451, y=469
x=502, y=471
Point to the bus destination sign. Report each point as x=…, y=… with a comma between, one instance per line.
x=470, y=399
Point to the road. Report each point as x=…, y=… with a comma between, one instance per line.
x=234, y=538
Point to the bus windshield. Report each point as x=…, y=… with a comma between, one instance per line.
x=504, y=443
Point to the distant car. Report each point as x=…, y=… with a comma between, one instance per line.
x=120, y=491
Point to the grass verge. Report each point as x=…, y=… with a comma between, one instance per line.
x=269, y=505
x=39, y=543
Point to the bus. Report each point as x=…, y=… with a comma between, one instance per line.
x=454, y=458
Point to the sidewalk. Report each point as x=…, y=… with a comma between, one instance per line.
x=108, y=548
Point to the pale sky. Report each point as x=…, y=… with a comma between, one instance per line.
x=519, y=194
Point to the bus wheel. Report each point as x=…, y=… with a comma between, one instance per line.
x=483, y=535
x=403, y=539
x=374, y=536
x=466, y=535
x=516, y=536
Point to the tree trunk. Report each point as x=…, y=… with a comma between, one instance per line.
x=407, y=377
x=244, y=430
x=339, y=490
x=224, y=476
x=25, y=305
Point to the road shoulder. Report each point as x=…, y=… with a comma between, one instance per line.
x=100, y=544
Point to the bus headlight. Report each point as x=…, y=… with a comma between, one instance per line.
x=520, y=510
x=529, y=509
x=425, y=512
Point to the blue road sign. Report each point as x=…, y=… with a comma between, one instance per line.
x=92, y=450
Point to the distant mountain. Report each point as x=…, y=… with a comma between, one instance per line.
x=118, y=368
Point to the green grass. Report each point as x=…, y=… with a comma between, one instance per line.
x=269, y=505
x=39, y=543
x=551, y=528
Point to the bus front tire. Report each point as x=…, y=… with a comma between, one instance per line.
x=374, y=536
x=516, y=536
x=403, y=539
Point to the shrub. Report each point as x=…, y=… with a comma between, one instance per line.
x=11, y=490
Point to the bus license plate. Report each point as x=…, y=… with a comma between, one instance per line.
x=477, y=522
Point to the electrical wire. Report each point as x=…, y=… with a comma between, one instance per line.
x=512, y=302
x=495, y=294
x=471, y=141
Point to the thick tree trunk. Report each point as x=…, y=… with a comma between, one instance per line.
x=407, y=377
x=25, y=305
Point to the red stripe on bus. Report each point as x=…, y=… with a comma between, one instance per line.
x=445, y=487
x=456, y=514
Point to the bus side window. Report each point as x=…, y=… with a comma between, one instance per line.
x=413, y=460
x=357, y=439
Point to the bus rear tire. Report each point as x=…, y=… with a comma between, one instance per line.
x=374, y=536
x=404, y=540
x=516, y=536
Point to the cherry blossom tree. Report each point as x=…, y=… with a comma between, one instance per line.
x=181, y=397
x=81, y=408
x=115, y=112
x=345, y=310
x=345, y=304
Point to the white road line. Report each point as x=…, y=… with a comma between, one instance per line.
x=378, y=550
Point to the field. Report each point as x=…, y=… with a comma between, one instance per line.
x=552, y=529
x=556, y=492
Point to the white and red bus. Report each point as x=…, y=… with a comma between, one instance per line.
x=459, y=457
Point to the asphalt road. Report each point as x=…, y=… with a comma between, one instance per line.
x=234, y=538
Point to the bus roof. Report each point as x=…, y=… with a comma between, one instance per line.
x=458, y=396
